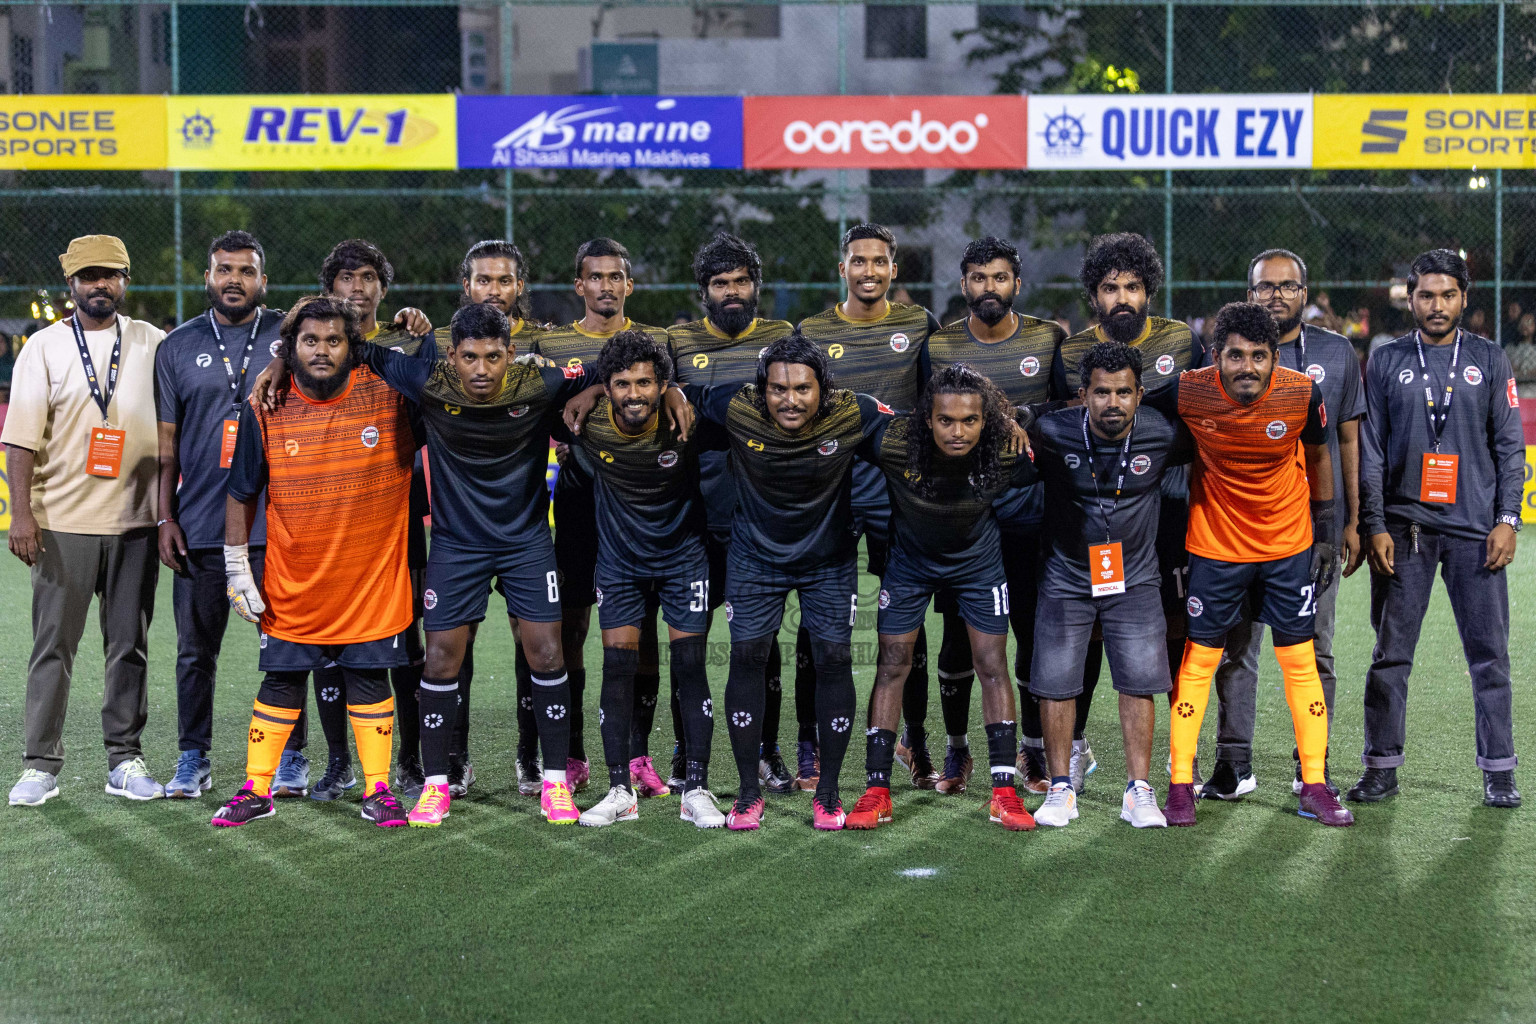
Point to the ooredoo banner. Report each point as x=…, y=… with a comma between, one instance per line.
x=976, y=132
x=1126, y=131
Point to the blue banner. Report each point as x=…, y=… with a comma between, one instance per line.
x=630, y=132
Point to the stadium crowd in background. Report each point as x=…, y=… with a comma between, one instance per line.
x=1137, y=492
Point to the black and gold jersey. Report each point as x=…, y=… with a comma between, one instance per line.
x=524, y=337
x=570, y=347
x=793, y=510
x=886, y=358
x=649, y=516
x=1168, y=347
x=945, y=533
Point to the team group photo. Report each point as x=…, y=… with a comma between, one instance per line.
x=774, y=525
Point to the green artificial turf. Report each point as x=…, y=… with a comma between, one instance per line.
x=117, y=911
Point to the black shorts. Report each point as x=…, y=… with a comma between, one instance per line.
x=683, y=596
x=829, y=600
x=981, y=599
x=458, y=584
x=1134, y=636
x=1173, y=561
x=717, y=549
x=1280, y=594
x=576, y=543
x=279, y=655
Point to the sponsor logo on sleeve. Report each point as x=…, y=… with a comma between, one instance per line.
x=1513, y=392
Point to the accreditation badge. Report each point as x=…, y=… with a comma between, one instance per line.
x=1106, y=571
x=1437, y=478
x=104, y=456
x=227, y=443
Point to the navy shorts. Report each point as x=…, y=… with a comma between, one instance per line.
x=458, y=585
x=982, y=600
x=576, y=543
x=683, y=596
x=1280, y=593
x=1135, y=641
x=279, y=655
x=716, y=550
x=829, y=600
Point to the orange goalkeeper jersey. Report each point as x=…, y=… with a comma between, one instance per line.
x=1248, y=497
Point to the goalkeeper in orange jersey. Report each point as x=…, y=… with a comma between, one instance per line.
x=1262, y=467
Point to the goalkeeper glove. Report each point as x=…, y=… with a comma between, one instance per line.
x=240, y=585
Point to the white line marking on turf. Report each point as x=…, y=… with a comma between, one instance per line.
x=918, y=872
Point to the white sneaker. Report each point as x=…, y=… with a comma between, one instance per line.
x=1140, y=807
x=1059, y=808
x=34, y=788
x=699, y=808
x=1081, y=765
x=619, y=805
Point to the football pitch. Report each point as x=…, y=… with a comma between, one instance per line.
x=1425, y=911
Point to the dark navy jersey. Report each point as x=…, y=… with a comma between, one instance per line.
x=650, y=519
x=195, y=391
x=1330, y=360
x=704, y=354
x=1023, y=365
x=1482, y=428
x=488, y=459
x=1078, y=514
x=951, y=532
x=793, y=511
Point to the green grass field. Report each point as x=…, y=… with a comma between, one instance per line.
x=1426, y=911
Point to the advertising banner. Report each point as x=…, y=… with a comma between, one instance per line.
x=1177, y=132
x=82, y=133
x=310, y=133
x=1425, y=131
x=658, y=132
x=977, y=132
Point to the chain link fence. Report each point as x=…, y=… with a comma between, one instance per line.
x=1357, y=229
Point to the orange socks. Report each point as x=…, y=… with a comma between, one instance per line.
x=1309, y=715
x=1191, y=692
x=270, y=729
x=373, y=726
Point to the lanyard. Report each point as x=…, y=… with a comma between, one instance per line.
x=1125, y=451
x=235, y=383
x=1301, y=348
x=1438, y=415
x=102, y=399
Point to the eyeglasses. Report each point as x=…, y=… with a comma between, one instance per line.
x=1264, y=291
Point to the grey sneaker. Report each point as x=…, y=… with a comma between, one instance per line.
x=292, y=778
x=338, y=778
x=1081, y=765
x=193, y=778
x=33, y=788
x=132, y=780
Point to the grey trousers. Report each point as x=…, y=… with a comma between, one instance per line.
x=70, y=570
x=1237, y=678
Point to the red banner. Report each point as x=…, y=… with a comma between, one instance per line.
x=976, y=132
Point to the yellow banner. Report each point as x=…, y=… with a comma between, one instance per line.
x=311, y=133
x=86, y=133
x=1424, y=131
x=5, y=494
x=1528, y=506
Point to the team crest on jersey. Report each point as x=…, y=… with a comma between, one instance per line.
x=1317, y=373
x=700, y=361
x=1072, y=461
x=518, y=411
x=452, y=410
x=1194, y=606
x=429, y=599
x=667, y=459
x=291, y=447
x=835, y=351
x=1275, y=430
x=273, y=349
x=827, y=447
x=204, y=360
x=598, y=593
x=1472, y=375
x=1165, y=364
x=370, y=437
x=1029, y=366
x=1140, y=464
x=885, y=599
x=900, y=342
x=730, y=613
x=1405, y=376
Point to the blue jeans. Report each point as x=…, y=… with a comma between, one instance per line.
x=1480, y=602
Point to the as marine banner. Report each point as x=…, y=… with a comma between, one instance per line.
x=82, y=133
x=1425, y=131
x=312, y=133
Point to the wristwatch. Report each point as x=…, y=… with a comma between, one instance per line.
x=1511, y=521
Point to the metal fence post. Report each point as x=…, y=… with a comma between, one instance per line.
x=176, y=175
x=1498, y=205
x=1168, y=173
x=506, y=88
x=842, y=90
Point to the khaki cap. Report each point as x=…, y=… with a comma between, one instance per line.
x=95, y=251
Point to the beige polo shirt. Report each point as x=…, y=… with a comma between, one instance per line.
x=52, y=413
